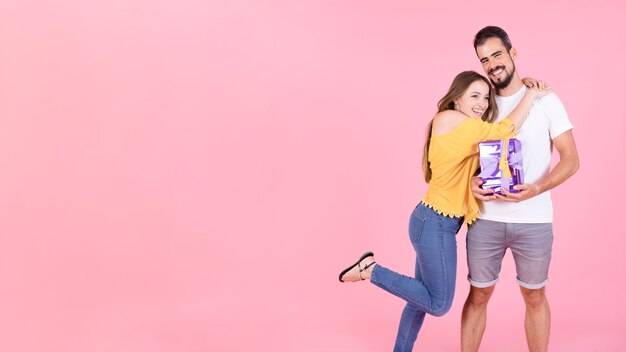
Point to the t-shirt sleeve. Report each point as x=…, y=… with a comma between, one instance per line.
x=480, y=130
x=557, y=116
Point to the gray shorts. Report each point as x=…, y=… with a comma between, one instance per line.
x=531, y=245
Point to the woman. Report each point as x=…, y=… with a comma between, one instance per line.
x=450, y=159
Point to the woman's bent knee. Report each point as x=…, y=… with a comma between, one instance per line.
x=442, y=309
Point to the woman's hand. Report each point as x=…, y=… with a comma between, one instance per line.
x=535, y=83
x=537, y=88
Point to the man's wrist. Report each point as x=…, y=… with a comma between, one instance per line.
x=542, y=187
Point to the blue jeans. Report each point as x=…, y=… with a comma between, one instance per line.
x=431, y=291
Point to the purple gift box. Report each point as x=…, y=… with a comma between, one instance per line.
x=493, y=178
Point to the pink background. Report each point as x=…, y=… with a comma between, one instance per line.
x=192, y=176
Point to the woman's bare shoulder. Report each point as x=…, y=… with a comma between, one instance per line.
x=446, y=121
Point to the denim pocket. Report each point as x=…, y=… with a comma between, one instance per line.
x=416, y=227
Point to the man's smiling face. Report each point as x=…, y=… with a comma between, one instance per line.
x=497, y=62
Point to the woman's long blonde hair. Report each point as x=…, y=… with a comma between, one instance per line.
x=459, y=85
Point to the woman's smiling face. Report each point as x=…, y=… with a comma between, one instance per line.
x=475, y=100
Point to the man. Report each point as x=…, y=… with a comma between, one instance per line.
x=519, y=221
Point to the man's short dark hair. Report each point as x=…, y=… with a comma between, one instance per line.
x=492, y=32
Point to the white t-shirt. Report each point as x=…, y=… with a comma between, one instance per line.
x=546, y=120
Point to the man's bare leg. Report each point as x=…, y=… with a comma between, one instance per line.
x=537, y=321
x=474, y=317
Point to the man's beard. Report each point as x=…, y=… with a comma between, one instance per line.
x=506, y=81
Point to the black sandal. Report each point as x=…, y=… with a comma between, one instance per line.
x=358, y=263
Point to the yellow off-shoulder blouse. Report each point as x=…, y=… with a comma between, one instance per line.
x=453, y=158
